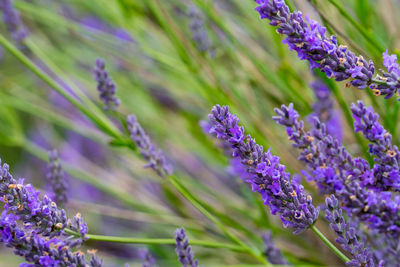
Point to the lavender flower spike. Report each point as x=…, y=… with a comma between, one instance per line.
x=34, y=227
x=39, y=250
x=56, y=178
x=149, y=151
x=386, y=155
x=309, y=40
x=347, y=235
x=335, y=171
x=12, y=20
x=105, y=85
x=199, y=33
x=272, y=253
x=183, y=250
x=268, y=177
x=147, y=258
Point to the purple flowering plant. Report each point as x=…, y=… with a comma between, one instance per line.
x=119, y=91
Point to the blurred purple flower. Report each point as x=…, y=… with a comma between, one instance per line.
x=272, y=253
x=105, y=85
x=183, y=250
x=199, y=32
x=147, y=258
x=56, y=178
x=149, y=151
x=12, y=20
x=323, y=108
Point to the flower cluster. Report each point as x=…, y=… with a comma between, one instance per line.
x=183, y=250
x=386, y=155
x=105, y=85
x=335, y=171
x=272, y=253
x=56, y=178
x=34, y=227
x=347, y=235
x=12, y=20
x=309, y=40
x=268, y=176
x=155, y=157
x=323, y=108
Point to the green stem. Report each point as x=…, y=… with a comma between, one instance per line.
x=212, y=218
x=159, y=241
x=329, y=244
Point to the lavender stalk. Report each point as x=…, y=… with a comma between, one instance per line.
x=268, y=176
x=309, y=40
x=183, y=250
x=56, y=177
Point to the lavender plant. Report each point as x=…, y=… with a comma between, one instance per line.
x=268, y=177
x=151, y=47
x=309, y=40
x=42, y=239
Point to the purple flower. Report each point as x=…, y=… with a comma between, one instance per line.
x=153, y=155
x=336, y=172
x=40, y=215
x=386, y=155
x=147, y=258
x=272, y=253
x=34, y=227
x=268, y=176
x=39, y=250
x=56, y=178
x=12, y=20
x=183, y=250
x=199, y=32
x=105, y=85
x=309, y=40
x=324, y=110
x=347, y=235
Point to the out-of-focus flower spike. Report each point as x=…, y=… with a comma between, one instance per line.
x=272, y=253
x=12, y=20
x=199, y=32
x=147, y=258
x=324, y=109
x=105, y=85
x=149, y=151
x=183, y=250
x=56, y=178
